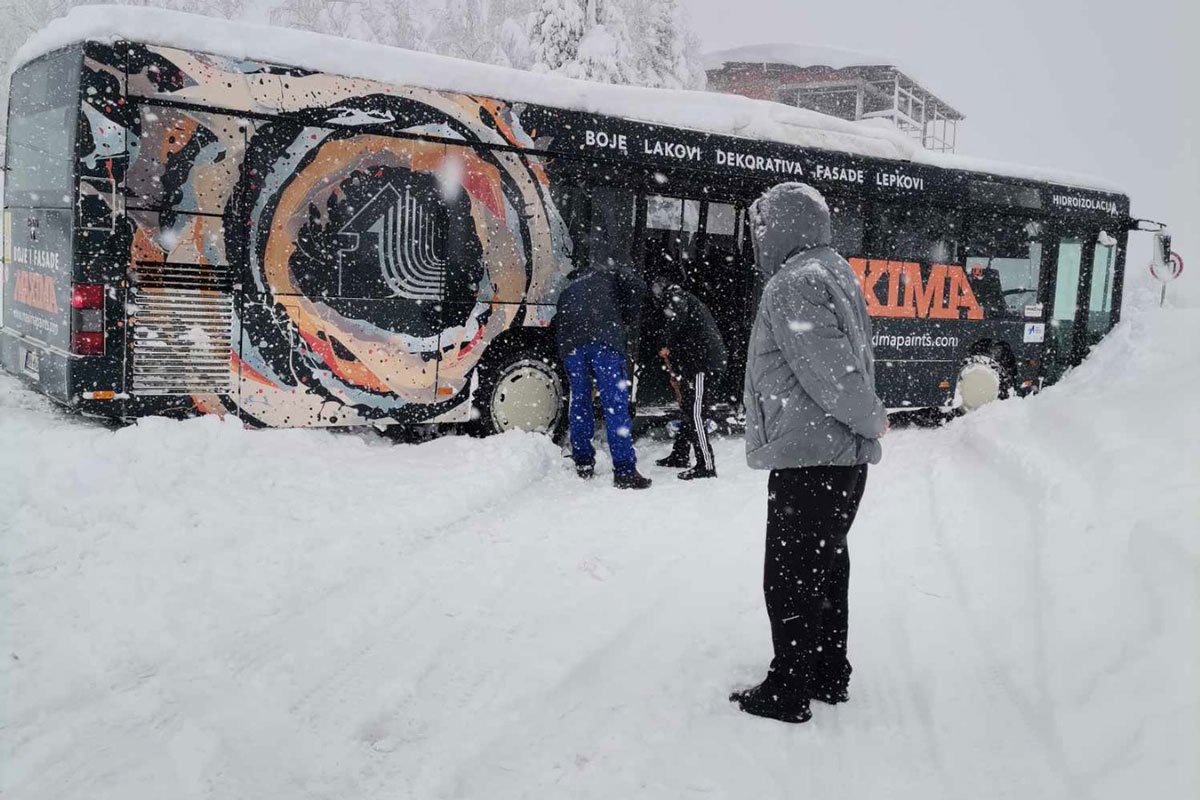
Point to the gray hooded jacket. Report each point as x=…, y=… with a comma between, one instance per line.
x=810, y=371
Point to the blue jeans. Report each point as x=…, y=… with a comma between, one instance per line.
x=608, y=367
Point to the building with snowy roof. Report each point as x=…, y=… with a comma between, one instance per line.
x=841, y=83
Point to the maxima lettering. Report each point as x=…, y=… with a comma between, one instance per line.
x=1085, y=203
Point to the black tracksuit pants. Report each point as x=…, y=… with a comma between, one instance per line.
x=806, y=576
x=692, y=430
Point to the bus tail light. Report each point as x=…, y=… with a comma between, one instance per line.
x=87, y=319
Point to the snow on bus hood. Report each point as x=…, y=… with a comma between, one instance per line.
x=729, y=115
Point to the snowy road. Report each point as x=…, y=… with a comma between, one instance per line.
x=195, y=611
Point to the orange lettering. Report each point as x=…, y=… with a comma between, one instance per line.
x=35, y=290
x=929, y=299
x=961, y=295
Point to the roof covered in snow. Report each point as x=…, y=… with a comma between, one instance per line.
x=729, y=115
x=797, y=55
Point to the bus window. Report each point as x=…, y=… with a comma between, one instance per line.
x=924, y=234
x=1066, y=293
x=600, y=220
x=848, y=227
x=1003, y=261
x=1101, y=295
x=43, y=109
x=613, y=214
x=670, y=239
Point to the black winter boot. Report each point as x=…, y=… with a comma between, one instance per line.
x=585, y=471
x=772, y=702
x=680, y=457
x=631, y=480
x=697, y=472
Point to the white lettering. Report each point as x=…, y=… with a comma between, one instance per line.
x=1085, y=203
x=845, y=174
x=898, y=180
x=606, y=141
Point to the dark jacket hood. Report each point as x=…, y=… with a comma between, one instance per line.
x=789, y=219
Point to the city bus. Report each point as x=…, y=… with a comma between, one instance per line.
x=202, y=217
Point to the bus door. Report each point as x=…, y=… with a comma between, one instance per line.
x=699, y=241
x=1080, y=296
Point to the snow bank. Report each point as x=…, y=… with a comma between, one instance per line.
x=729, y=115
x=192, y=610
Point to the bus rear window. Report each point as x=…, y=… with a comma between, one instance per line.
x=43, y=108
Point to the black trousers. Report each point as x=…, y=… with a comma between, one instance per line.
x=692, y=431
x=806, y=576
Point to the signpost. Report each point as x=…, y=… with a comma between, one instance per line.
x=1166, y=265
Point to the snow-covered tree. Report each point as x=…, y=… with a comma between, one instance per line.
x=588, y=39
x=667, y=48
x=394, y=22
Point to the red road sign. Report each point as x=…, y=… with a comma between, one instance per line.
x=1169, y=271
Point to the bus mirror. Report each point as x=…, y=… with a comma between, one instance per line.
x=1162, y=248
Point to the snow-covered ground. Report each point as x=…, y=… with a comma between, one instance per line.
x=190, y=610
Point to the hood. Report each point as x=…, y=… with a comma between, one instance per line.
x=790, y=218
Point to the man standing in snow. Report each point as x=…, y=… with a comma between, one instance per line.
x=694, y=352
x=597, y=325
x=814, y=420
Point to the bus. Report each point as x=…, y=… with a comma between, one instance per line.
x=202, y=217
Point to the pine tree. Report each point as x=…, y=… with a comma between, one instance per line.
x=668, y=48
x=556, y=29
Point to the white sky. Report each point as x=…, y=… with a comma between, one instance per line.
x=1107, y=87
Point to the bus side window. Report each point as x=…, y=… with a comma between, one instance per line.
x=672, y=224
x=910, y=232
x=611, y=234
x=1003, y=263
x=848, y=227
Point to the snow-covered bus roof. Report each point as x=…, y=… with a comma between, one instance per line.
x=728, y=115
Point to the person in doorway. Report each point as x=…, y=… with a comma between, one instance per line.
x=596, y=326
x=694, y=354
x=814, y=420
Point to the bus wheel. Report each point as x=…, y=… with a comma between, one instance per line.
x=982, y=379
x=523, y=391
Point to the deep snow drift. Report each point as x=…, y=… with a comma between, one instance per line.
x=192, y=610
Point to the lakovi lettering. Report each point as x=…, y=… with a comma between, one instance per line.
x=728, y=158
x=35, y=290
x=946, y=294
x=654, y=147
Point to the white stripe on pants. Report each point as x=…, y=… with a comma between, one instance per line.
x=698, y=418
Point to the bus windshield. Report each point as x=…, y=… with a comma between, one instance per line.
x=43, y=108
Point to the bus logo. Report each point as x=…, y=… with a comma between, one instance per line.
x=945, y=294
x=409, y=233
x=36, y=291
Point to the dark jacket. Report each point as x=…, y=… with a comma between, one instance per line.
x=691, y=334
x=810, y=372
x=600, y=305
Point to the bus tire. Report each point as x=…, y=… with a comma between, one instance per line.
x=984, y=378
x=520, y=390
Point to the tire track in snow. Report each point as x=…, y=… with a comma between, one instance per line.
x=993, y=458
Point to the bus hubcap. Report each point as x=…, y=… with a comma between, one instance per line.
x=528, y=397
x=979, y=383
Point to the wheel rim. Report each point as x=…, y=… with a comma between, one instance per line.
x=528, y=397
x=979, y=384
